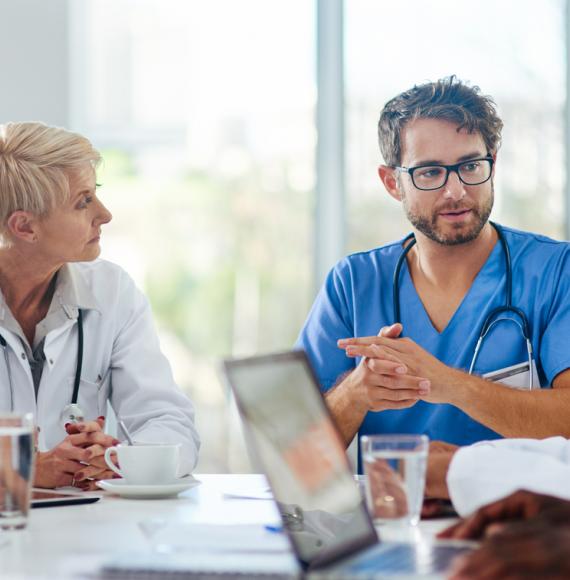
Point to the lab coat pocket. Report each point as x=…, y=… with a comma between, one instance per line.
x=92, y=397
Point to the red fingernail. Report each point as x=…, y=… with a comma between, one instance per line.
x=67, y=425
x=102, y=417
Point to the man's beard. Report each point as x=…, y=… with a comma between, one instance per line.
x=428, y=225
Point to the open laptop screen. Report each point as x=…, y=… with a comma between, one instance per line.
x=291, y=433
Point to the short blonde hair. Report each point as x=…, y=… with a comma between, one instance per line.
x=35, y=160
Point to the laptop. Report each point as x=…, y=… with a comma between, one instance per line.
x=291, y=433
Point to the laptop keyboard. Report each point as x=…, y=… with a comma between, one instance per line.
x=405, y=559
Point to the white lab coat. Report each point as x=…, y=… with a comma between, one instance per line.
x=490, y=470
x=122, y=363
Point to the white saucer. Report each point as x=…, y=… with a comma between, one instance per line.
x=122, y=488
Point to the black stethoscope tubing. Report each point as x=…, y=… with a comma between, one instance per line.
x=492, y=316
x=78, y=369
x=77, y=380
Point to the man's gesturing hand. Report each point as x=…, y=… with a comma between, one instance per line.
x=382, y=381
x=437, y=381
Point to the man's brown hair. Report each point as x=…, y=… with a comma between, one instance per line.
x=448, y=99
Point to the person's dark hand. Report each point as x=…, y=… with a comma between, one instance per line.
x=522, y=551
x=519, y=506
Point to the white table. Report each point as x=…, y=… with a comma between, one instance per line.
x=60, y=541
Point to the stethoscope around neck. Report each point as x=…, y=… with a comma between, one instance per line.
x=493, y=317
x=71, y=413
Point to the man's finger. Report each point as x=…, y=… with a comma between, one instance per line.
x=372, y=351
x=386, y=367
x=391, y=331
x=364, y=341
x=378, y=394
x=393, y=405
x=392, y=383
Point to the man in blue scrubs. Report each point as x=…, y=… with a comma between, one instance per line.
x=440, y=142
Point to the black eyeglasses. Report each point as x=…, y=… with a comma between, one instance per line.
x=472, y=172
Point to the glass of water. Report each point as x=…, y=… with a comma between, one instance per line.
x=395, y=470
x=16, y=469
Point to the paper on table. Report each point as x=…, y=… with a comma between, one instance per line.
x=261, y=493
x=180, y=537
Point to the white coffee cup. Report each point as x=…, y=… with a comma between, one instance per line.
x=145, y=463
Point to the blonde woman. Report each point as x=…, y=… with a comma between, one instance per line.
x=75, y=332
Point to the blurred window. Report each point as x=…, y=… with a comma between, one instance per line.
x=204, y=114
x=514, y=50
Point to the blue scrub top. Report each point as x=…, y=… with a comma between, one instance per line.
x=356, y=300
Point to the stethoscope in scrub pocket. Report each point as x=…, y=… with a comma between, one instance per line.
x=71, y=413
x=509, y=374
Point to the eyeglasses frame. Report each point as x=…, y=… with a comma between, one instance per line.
x=448, y=169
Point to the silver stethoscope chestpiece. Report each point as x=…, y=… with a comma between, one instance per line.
x=71, y=413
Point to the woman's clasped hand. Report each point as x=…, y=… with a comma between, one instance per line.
x=78, y=460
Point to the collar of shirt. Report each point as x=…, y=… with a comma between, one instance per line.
x=71, y=294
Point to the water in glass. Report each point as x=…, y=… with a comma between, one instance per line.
x=16, y=471
x=395, y=467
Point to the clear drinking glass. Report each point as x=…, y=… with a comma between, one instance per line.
x=395, y=469
x=16, y=469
